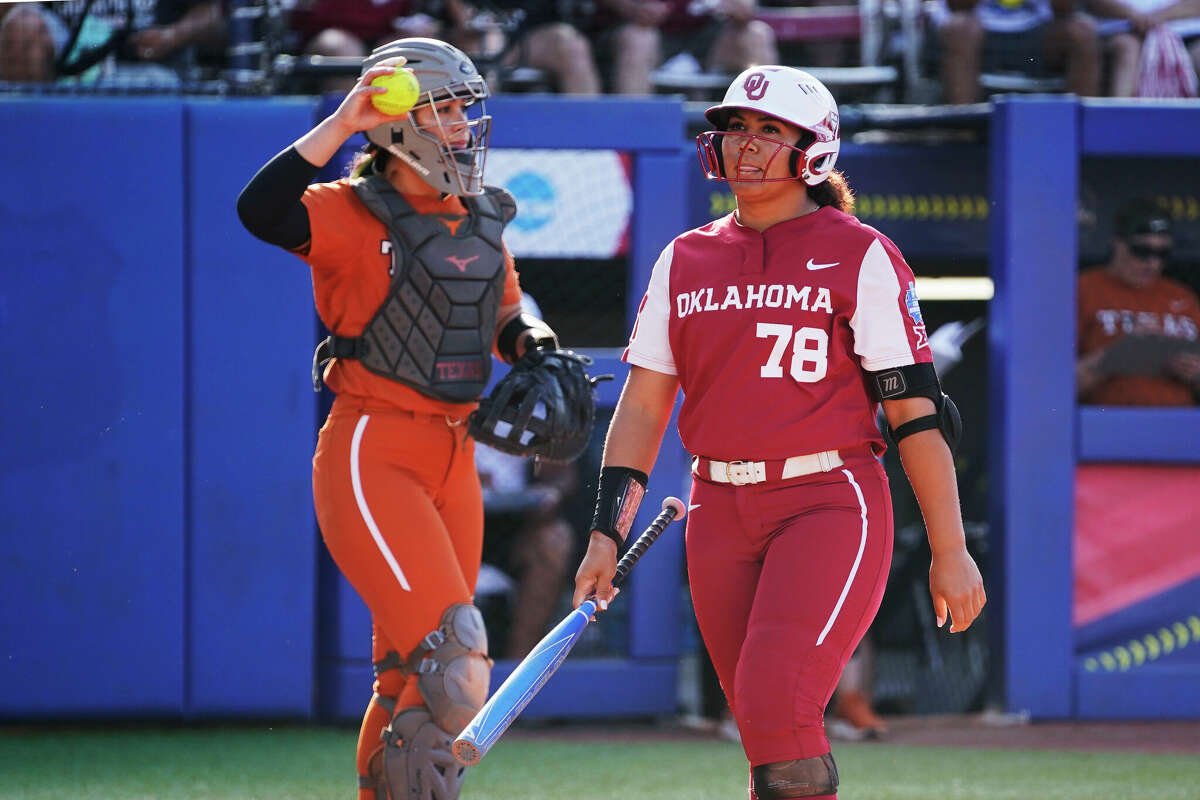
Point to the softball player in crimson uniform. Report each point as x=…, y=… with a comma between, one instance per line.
x=411, y=274
x=785, y=324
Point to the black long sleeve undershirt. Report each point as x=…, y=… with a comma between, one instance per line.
x=269, y=205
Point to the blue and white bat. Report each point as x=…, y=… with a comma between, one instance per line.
x=536, y=668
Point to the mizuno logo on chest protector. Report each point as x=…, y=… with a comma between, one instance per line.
x=434, y=329
x=461, y=263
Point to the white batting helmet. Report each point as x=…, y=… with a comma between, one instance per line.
x=791, y=95
x=443, y=73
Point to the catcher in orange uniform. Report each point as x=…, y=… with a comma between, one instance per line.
x=411, y=274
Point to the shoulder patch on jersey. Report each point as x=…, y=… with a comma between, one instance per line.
x=910, y=302
x=914, y=312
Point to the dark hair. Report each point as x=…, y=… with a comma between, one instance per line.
x=1141, y=215
x=834, y=191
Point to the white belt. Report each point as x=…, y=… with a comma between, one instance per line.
x=740, y=473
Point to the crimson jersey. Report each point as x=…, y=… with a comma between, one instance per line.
x=769, y=333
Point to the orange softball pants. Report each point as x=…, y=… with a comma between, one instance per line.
x=401, y=511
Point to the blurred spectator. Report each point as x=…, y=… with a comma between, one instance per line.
x=818, y=52
x=526, y=537
x=122, y=42
x=503, y=34
x=689, y=35
x=851, y=715
x=713, y=714
x=353, y=28
x=1127, y=39
x=28, y=36
x=1037, y=38
x=1139, y=332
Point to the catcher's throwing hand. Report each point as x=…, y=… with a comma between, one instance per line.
x=596, y=571
x=956, y=588
x=357, y=112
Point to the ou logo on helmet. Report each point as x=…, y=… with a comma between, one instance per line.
x=755, y=86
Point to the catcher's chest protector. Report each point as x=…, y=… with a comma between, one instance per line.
x=434, y=331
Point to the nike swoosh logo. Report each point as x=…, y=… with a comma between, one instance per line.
x=692, y=508
x=811, y=265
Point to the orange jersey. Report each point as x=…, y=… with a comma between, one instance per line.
x=349, y=257
x=1110, y=309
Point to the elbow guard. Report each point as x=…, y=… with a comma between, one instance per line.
x=918, y=380
x=523, y=333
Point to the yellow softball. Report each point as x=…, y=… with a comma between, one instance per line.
x=401, y=95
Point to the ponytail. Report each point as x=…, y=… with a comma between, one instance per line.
x=371, y=159
x=834, y=191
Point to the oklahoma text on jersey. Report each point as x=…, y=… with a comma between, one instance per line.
x=775, y=295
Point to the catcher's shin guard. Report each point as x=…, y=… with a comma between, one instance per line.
x=415, y=762
x=804, y=777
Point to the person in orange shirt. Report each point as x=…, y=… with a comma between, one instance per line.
x=411, y=275
x=1159, y=363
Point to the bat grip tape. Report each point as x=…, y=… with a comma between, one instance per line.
x=639, y=548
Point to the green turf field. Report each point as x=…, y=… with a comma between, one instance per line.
x=301, y=762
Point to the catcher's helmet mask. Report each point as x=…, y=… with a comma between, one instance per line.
x=544, y=407
x=444, y=74
x=788, y=94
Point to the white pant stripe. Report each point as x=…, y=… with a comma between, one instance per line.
x=862, y=544
x=356, y=480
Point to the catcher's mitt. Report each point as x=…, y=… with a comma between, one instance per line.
x=544, y=407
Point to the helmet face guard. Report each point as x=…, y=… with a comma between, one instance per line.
x=787, y=94
x=448, y=154
x=461, y=147
x=712, y=158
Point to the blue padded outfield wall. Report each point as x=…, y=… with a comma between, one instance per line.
x=160, y=556
x=158, y=535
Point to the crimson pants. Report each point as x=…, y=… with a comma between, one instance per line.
x=786, y=577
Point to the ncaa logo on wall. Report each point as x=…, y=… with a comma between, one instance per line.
x=755, y=86
x=535, y=198
x=570, y=203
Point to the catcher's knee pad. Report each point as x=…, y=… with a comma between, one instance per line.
x=415, y=762
x=453, y=677
x=804, y=777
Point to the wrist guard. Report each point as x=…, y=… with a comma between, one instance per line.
x=618, y=495
x=523, y=333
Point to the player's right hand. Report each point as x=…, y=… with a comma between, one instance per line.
x=596, y=571
x=357, y=112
